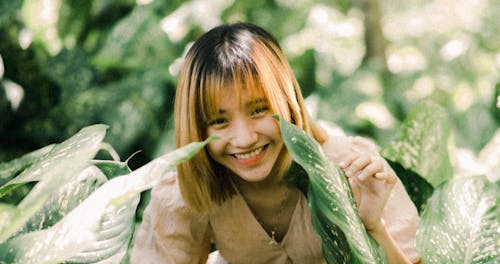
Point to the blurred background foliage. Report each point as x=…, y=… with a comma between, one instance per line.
x=362, y=64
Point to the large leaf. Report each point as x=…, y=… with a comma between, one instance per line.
x=8, y=170
x=423, y=146
x=417, y=187
x=53, y=170
x=101, y=227
x=331, y=202
x=461, y=223
x=65, y=199
x=112, y=168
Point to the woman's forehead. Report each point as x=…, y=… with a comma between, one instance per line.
x=240, y=97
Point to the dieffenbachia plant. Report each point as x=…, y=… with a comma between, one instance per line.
x=460, y=218
x=50, y=171
x=79, y=215
x=333, y=208
x=421, y=154
x=461, y=223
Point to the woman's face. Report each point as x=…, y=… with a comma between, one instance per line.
x=250, y=140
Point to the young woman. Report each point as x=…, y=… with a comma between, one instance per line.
x=232, y=195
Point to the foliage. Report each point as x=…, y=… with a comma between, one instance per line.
x=460, y=216
x=80, y=210
x=461, y=223
x=421, y=154
x=424, y=144
x=116, y=62
x=65, y=65
x=333, y=210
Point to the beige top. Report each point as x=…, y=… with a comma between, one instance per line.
x=171, y=233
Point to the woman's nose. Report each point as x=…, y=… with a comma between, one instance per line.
x=243, y=134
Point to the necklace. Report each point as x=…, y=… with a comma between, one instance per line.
x=272, y=229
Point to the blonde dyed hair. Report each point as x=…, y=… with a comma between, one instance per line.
x=226, y=59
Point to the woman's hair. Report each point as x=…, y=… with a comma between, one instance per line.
x=227, y=59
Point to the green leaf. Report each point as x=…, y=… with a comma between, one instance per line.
x=112, y=168
x=65, y=199
x=461, y=223
x=8, y=170
x=417, y=187
x=424, y=144
x=101, y=227
x=333, y=208
x=53, y=170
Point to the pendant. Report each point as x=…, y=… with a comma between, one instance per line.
x=273, y=239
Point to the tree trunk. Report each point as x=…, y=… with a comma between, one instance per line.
x=375, y=41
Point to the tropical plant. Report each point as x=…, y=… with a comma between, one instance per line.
x=60, y=205
x=333, y=210
x=115, y=62
x=69, y=64
x=460, y=216
x=78, y=210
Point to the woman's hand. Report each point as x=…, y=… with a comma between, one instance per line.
x=370, y=177
x=371, y=181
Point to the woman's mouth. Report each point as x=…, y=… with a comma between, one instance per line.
x=250, y=154
x=251, y=157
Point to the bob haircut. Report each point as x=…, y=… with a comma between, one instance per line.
x=227, y=59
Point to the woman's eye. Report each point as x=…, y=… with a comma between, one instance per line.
x=217, y=122
x=259, y=111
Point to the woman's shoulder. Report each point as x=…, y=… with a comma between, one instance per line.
x=338, y=145
x=167, y=193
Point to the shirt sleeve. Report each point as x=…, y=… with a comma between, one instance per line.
x=400, y=213
x=401, y=218
x=170, y=232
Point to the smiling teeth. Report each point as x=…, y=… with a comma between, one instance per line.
x=249, y=155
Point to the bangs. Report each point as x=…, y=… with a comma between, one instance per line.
x=243, y=63
x=227, y=63
x=233, y=82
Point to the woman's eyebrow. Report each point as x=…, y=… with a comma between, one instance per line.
x=220, y=112
x=256, y=101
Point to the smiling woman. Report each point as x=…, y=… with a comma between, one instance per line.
x=237, y=63
x=234, y=195
x=251, y=141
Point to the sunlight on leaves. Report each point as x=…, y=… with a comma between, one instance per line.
x=424, y=144
x=331, y=201
x=461, y=223
x=8, y=170
x=53, y=170
x=65, y=199
x=101, y=227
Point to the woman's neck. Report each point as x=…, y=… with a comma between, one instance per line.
x=271, y=202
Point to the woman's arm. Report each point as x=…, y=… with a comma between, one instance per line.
x=385, y=240
x=170, y=232
x=377, y=189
